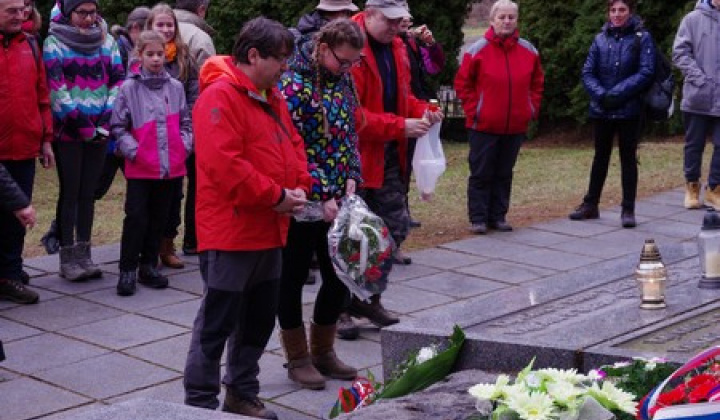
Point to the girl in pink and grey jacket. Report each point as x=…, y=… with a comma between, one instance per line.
x=151, y=122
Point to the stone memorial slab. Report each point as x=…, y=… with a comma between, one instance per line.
x=443, y=258
x=147, y=409
x=557, y=318
x=506, y=272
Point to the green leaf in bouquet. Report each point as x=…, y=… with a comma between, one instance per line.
x=420, y=376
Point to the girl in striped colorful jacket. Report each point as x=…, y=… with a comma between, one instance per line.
x=84, y=73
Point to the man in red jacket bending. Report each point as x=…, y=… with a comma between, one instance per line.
x=251, y=174
x=388, y=115
x=25, y=133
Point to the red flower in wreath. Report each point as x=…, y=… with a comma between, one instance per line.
x=354, y=257
x=385, y=232
x=373, y=274
x=676, y=396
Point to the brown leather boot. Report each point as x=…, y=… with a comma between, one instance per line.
x=300, y=366
x=168, y=257
x=712, y=197
x=692, y=196
x=322, y=339
x=374, y=311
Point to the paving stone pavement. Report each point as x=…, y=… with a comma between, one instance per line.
x=83, y=347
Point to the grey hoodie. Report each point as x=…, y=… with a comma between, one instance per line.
x=696, y=53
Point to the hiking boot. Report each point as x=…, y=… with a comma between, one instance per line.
x=84, y=260
x=400, y=258
x=149, y=276
x=50, y=240
x=692, y=196
x=24, y=277
x=712, y=197
x=322, y=349
x=500, y=226
x=168, y=257
x=585, y=211
x=69, y=267
x=478, y=228
x=299, y=364
x=374, y=311
x=126, y=283
x=247, y=407
x=346, y=328
x=628, y=219
x=15, y=291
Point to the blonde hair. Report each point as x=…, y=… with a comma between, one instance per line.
x=148, y=37
x=503, y=3
x=183, y=57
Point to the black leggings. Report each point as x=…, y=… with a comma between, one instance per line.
x=79, y=167
x=304, y=239
x=627, y=132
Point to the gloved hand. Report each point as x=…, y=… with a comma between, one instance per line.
x=610, y=101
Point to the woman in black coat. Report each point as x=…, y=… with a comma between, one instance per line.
x=617, y=71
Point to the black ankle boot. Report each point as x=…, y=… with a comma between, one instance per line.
x=628, y=219
x=585, y=211
x=151, y=277
x=126, y=283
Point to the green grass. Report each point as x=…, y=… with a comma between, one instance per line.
x=550, y=180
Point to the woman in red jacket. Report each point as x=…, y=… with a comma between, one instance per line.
x=500, y=83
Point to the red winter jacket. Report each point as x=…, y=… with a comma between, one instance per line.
x=500, y=83
x=376, y=126
x=25, y=116
x=247, y=151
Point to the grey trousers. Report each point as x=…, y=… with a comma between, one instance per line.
x=238, y=308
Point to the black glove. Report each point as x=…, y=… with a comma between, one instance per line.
x=610, y=101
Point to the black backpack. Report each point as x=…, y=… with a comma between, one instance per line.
x=658, y=98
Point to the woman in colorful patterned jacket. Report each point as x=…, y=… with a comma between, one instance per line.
x=84, y=72
x=151, y=122
x=322, y=102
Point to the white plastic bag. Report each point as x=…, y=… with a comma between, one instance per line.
x=428, y=161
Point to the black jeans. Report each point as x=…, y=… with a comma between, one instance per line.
x=304, y=240
x=107, y=177
x=697, y=129
x=628, y=133
x=12, y=233
x=174, y=219
x=492, y=159
x=238, y=308
x=147, y=202
x=79, y=167
x=388, y=201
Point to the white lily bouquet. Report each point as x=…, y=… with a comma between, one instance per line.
x=551, y=394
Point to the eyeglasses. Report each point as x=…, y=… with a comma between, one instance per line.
x=344, y=63
x=84, y=14
x=14, y=11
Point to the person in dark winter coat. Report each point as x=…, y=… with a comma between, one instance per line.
x=324, y=12
x=617, y=71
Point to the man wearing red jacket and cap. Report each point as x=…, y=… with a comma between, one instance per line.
x=25, y=134
x=251, y=174
x=388, y=116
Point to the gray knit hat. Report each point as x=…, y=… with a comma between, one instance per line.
x=69, y=5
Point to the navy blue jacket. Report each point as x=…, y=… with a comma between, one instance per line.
x=618, y=70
